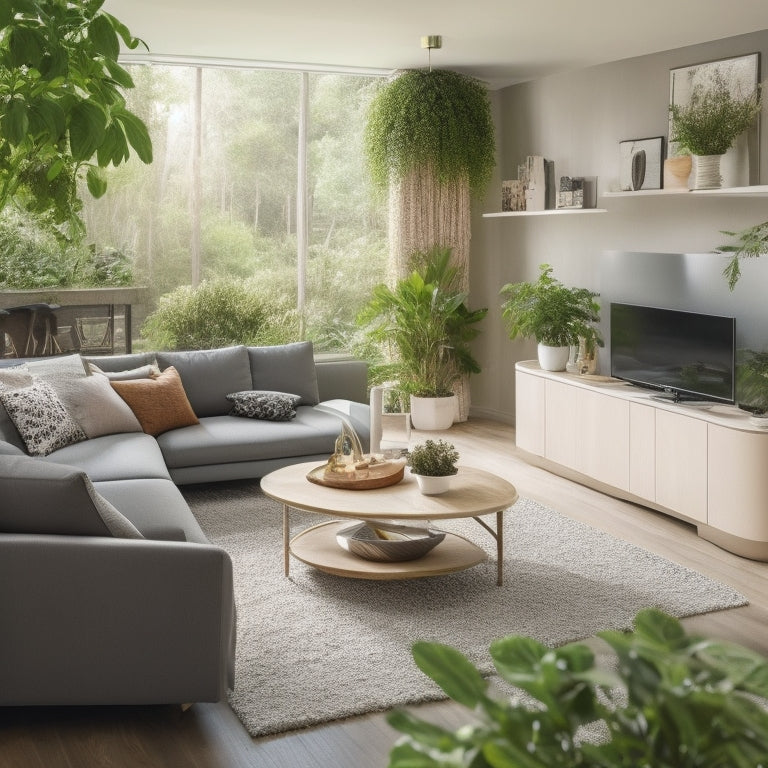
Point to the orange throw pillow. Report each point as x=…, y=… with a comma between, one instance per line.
x=160, y=403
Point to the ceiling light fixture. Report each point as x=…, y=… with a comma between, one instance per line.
x=429, y=42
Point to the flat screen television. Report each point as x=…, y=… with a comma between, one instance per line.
x=684, y=355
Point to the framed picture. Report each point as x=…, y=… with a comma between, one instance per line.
x=640, y=163
x=740, y=165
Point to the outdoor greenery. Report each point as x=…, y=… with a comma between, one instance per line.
x=675, y=701
x=435, y=119
x=425, y=325
x=63, y=106
x=752, y=242
x=433, y=459
x=220, y=313
x=550, y=312
x=752, y=380
x=713, y=118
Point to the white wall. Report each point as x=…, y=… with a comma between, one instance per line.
x=577, y=120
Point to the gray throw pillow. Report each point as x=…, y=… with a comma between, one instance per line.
x=286, y=368
x=43, y=497
x=41, y=418
x=271, y=406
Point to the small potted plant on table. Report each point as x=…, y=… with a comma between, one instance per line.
x=752, y=385
x=555, y=315
x=434, y=464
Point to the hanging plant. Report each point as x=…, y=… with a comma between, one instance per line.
x=753, y=242
x=434, y=119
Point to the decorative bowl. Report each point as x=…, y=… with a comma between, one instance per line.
x=402, y=542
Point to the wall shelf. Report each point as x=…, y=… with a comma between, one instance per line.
x=550, y=212
x=755, y=190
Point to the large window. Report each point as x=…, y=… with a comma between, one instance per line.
x=231, y=148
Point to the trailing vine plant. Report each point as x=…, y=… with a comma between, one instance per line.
x=753, y=242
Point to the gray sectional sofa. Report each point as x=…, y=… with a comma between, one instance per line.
x=109, y=590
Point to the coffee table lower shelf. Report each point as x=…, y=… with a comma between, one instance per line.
x=317, y=546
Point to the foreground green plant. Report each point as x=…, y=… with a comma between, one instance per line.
x=676, y=701
x=61, y=103
x=752, y=242
x=220, y=313
x=752, y=381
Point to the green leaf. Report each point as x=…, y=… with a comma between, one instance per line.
x=15, y=121
x=86, y=129
x=136, y=132
x=517, y=658
x=26, y=47
x=422, y=731
x=661, y=628
x=121, y=76
x=46, y=116
x=405, y=755
x=6, y=12
x=97, y=184
x=452, y=671
x=130, y=41
x=103, y=36
x=56, y=168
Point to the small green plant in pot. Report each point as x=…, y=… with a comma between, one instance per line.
x=752, y=383
x=433, y=463
x=553, y=314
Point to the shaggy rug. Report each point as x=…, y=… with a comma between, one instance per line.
x=314, y=647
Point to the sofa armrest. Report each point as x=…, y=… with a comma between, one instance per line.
x=91, y=620
x=342, y=380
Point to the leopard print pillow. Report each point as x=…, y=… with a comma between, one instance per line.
x=40, y=417
x=261, y=404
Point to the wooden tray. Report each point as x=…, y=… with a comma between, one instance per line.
x=376, y=476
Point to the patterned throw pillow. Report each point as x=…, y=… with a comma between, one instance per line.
x=261, y=404
x=41, y=418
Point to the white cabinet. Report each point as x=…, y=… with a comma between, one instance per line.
x=705, y=465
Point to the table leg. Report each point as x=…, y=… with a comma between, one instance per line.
x=500, y=548
x=286, y=540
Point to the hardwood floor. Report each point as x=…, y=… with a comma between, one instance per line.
x=211, y=736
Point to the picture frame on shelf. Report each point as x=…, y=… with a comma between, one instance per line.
x=640, y=163
x=739, y=166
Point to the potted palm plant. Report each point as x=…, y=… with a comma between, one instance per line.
x=557, y=316
x=426, y=324
x=708, y=124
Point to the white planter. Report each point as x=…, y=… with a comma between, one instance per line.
x=431, y=413
x=705, y=172
x=553, y=358
x=434, y=486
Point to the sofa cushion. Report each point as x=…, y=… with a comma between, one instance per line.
x=142, y=372
x=225, y=439
x=57, y=369
x=12, y=378
x=122, y=362
x=97, y=408
x=9, y=449
x=209, y=375
x=126, y=456
x=285, y=368
x=41, y=418
x=47, y=498
x=257, y=404
x=160, y=403
x=141, y=500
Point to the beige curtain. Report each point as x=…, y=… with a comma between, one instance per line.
x=423, y=213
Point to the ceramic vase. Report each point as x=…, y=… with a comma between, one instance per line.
x=676, y=173
x=553, y=358
x=432, y=413
x=705, y=172
x=434, y=486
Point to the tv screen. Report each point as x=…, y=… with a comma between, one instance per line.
x=687, y=355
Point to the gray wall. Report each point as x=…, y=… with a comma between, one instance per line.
x=651, y=250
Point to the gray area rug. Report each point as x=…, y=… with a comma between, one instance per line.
x=314, y=647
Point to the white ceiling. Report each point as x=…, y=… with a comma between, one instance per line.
x=499, y=41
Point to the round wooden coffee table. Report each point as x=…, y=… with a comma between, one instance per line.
x=474, y=493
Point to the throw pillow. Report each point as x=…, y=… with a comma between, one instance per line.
x=142, y=372
x=47, y=498
x=260, y=404
x=97, y=408
x=160, y=403
x=14, y=377
x=41, y=418
x=55, y=369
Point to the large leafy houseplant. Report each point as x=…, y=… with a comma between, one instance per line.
x=62, y=106
x=675, y=701
x=550, y=312
x=426, y=324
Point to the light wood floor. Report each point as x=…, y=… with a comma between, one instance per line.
x=210, y=736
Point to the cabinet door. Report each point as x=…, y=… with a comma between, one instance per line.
x=681, y=464
x=642, y=451
x=529, y=413
x=603, y=438
x=738, y=484
x=562, y=424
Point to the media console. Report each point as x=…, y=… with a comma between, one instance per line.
x=707, y=466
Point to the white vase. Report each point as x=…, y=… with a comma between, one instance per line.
x=434, y=486
x=432, y=413
x=705, y=172
x=553, y=358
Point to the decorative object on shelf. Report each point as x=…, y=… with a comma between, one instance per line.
x=753, y=242
x=586, y=358
x=640, y=163
x=676, y=173
x=752, y=385
x=568, y=688
x=390, y=420
x=387, y=542
x=433, y=463
x=513, y=195
x=711, y=106
x=553, y=314
x=577, y=192
x=425, y=323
